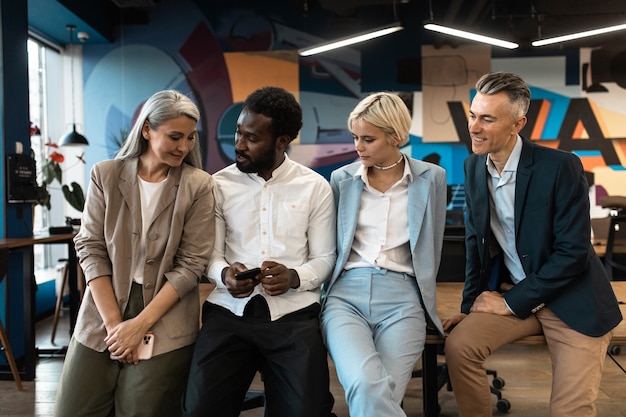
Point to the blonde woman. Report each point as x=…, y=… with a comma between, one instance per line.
x=391, y=212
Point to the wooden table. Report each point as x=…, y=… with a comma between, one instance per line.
x=24, y=286
x=449, y=303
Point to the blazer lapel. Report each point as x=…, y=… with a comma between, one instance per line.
x=417, y=189
x=482, y=194
x=350, y=191
x=130, y=192
x=169, y=192
x=128, y=187
x=524, y=173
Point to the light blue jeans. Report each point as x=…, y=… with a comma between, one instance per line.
x=374, y=327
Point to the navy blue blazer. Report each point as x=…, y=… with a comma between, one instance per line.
x=553, y=241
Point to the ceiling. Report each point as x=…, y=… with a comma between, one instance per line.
x=524, y=21
x=98, y=19
x=521, y=21
x=48, y=19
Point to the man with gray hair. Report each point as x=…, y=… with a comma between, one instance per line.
x=530, y=265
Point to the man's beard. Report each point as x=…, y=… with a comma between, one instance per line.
x=264, y=162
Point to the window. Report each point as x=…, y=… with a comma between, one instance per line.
x=45, y=63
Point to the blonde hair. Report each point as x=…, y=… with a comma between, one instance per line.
x=387, y=112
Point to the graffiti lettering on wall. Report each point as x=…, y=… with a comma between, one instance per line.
x=580, y=131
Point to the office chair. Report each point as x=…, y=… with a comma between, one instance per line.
x=615, y=254
x=452, y=269
x=4, y=338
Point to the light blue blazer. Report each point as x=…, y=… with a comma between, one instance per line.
x=427, y=215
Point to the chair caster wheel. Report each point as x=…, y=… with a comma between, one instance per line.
x=498, y=383
x=614, y=350
x=503, y=405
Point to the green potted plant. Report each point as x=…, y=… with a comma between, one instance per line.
x=51, y=171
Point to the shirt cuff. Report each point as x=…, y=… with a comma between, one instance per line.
x=509, y=307
x=215, y=273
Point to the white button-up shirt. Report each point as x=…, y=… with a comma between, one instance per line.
x=381, y=238
x=502, y=209
x=289, y=219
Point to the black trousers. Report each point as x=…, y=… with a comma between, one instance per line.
x=289, y=352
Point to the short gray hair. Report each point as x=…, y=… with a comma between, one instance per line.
x=514, y=87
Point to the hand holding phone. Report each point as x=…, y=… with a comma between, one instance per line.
x=145, y=348
x=249, y=274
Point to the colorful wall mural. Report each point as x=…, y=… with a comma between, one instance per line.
x=219, y=55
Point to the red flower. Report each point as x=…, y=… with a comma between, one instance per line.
x=34, y=129
x=56, y=157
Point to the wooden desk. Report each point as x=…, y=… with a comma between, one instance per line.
x=26, y=303
x=449, y=303
x=600, y=247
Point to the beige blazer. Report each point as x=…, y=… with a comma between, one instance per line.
x=178, y=244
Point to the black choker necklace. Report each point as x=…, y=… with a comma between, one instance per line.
x=390, y=166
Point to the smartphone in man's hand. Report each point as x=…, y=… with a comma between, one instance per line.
x=249, y=274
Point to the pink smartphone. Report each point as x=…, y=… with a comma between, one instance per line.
x=145, y=348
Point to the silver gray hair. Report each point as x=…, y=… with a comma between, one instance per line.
x=158, y=109
x=513, y=85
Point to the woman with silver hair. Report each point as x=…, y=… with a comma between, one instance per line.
x=145, y=239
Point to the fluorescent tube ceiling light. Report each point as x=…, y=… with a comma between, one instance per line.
x=340, y=43
x=578, y=35
x=470, y=36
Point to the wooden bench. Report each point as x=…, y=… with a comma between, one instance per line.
x=448, y=304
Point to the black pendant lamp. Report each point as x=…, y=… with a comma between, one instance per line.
x=72, y=138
